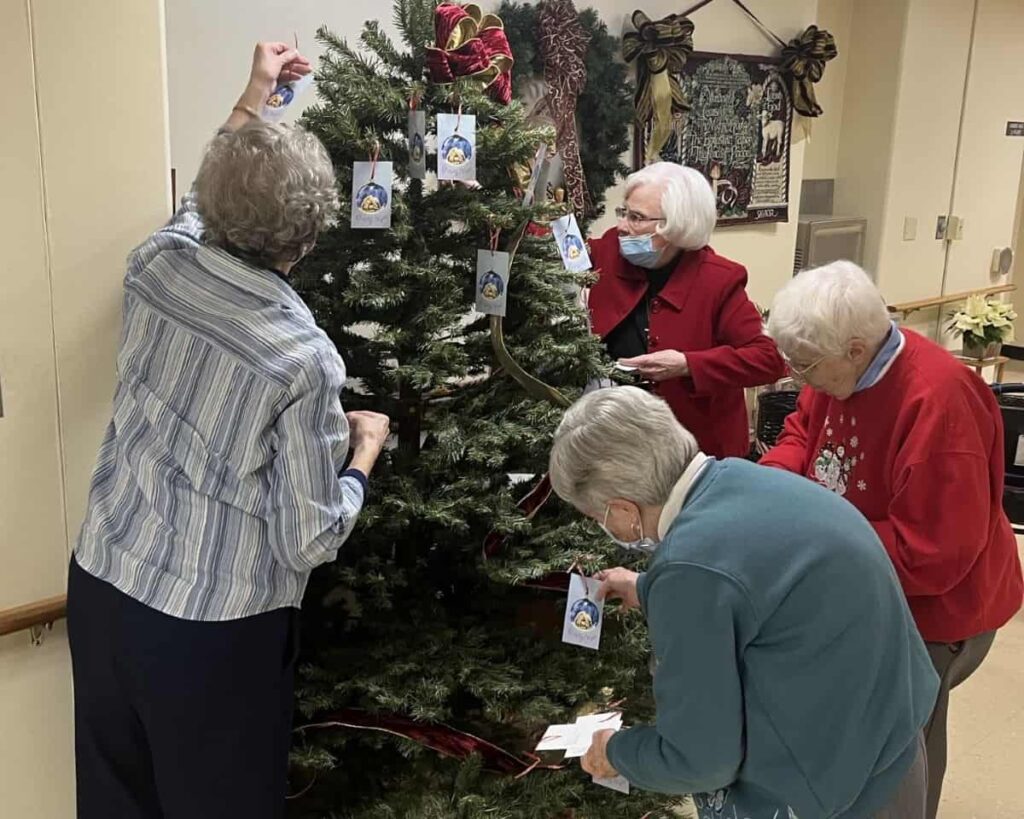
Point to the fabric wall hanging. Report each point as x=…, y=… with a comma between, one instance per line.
x=737, y=133
x=730, y=116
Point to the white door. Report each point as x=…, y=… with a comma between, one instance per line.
x=988, y=178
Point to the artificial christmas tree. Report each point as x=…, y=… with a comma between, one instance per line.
x=432, y=665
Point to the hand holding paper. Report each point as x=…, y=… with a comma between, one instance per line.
x=595, y=761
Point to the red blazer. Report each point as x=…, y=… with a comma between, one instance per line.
x=702, y=311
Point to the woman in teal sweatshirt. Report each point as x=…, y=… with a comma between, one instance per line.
x=789, y=676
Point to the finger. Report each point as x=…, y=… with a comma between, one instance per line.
x=636, y=361
x=287, y=56
x=277, y=48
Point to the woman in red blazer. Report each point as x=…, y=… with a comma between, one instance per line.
x=668, y=305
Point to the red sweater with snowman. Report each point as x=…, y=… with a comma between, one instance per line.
x=920, y=454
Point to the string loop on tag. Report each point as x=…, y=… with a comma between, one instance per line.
x=495, y=236
x=374, y=156
x=458, y=122
x=414, y=100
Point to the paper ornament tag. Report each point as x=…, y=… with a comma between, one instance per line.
x=616, y=783
x=538, y=177
x=584, y=613
x=491, y=282
x=570, y=244
x=456, y=147
x=417, y=144
x=371, y=195
x=278, y=103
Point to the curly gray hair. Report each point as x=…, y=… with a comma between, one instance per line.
x=266, y=191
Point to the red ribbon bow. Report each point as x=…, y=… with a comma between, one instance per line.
x=469, y=44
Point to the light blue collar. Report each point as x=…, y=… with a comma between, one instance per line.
x=889, y=352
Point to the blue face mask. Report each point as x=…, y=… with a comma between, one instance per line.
x=639, y=250
x=642, y=544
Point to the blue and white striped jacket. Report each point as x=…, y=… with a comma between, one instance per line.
x=219, y=483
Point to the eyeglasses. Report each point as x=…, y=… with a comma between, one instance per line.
x=635, y=219
x=802, y=372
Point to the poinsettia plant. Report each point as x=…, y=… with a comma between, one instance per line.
x=983, y=321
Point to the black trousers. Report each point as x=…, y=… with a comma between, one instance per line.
x=176, y=719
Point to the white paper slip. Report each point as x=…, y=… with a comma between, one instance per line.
x=536, y=188
x=584, y=613
x=570, y=244
x=616, y=783
x=557, y=738
x=599, y=722
x=577, y=750
x=520, y=477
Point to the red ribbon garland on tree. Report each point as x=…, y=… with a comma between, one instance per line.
x=471, y=45
x=437, y=736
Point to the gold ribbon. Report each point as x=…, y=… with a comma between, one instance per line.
x=660, y=49
x=533, y=386
x=803, y=62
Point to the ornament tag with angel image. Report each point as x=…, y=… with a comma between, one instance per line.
x=584, y=613
x=491, y=282
x=570, y=244
x=278, y=103
x=371, y=195
x=456, y=147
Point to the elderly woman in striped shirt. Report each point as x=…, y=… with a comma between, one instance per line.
x=220, y=484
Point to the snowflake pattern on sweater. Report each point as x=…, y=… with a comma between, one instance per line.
x=838, y=457
x=719, y=805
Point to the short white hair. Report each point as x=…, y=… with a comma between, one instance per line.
x=820, y=311
x=687, y=203
x=619, y=442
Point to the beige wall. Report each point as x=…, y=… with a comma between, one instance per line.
x=84, y=164
x=869, y=114
x=822, y=154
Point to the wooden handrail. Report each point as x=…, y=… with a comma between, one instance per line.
x=39, y=613
x=908, y=307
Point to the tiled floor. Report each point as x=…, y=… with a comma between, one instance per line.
x=985, y=779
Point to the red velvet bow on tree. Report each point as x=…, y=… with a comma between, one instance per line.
x=473, y=45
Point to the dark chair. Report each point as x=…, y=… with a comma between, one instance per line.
x=772, y=410
x=1011, y=403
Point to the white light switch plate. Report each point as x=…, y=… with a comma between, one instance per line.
x=909, y=228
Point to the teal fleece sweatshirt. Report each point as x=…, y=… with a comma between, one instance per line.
x=789, y=677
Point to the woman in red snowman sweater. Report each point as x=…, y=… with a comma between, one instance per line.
x=914, y=439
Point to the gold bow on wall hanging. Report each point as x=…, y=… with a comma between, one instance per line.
x=660, y=49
